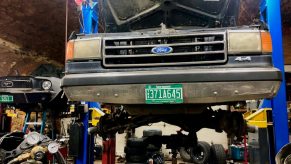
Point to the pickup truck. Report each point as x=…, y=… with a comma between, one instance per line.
x=171, y=61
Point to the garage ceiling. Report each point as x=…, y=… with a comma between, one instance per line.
x=32, y=32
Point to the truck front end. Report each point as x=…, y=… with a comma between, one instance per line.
x=171, y=61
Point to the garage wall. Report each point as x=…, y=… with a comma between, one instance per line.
x=287, y=44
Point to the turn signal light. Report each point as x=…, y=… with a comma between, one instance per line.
x=70, y=50
x=266, y=42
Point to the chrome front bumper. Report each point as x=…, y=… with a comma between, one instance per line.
x=199, y=86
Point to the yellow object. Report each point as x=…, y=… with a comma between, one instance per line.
x=21, y=158
x=17, y=122
x=11, y=113
x=258, y=118
x=37, y=149
x=95, y=116
x=72, y=108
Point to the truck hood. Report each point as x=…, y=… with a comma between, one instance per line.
x=131, y=15
x=167, y=31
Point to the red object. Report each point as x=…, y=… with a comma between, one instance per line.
x=108, y=155
x=245, y=147
x=78, y=2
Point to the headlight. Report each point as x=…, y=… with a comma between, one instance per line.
x=252, y=42
x=46, y=85
x=84, y=49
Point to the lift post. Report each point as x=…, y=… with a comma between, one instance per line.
x=90, y=25
x=271, y=14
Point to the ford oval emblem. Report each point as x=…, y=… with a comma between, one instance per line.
x=162, y=50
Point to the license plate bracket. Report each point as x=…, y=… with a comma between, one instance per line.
x=164, y=94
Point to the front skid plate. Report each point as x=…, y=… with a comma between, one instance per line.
x=193, y=93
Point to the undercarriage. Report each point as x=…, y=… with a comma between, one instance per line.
x=221, y=120
x=120, y=121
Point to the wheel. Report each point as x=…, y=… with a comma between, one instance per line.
x=136, y=158
x=283, y=154
x=153, y=154
x=185, y=154
x=134, y=151
x=218, y=155
x=152, y=132
x=152, y=147
x=135, y=142
x=287, y=159
x=201, y=154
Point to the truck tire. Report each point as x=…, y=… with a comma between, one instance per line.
x=134, y=151
x=152, y=132
x=185, y=154
x=287, y=159
x=218, y=155
x=202, y=153
x=151, y=153
x=135, y=142
x=136, y=158
x=283, y=154
x=151, y=147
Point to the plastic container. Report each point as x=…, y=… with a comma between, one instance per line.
x=237, y=152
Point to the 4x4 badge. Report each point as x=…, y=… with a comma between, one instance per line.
x=243, y=59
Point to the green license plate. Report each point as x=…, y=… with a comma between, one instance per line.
x=164, y=94
x=6, y=98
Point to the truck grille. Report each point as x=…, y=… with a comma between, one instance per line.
x=187, y=49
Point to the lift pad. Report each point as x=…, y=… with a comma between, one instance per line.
x=258, y=118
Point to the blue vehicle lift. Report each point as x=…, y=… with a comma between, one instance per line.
x=90, y=25
x=270, y=14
